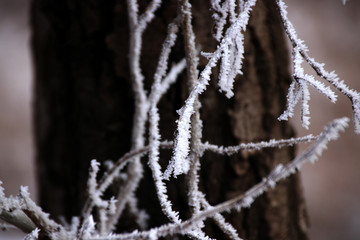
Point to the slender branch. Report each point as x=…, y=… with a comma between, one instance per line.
x=182, y=146
x=330, y=77
x=196, y=123
x=154, y=134
x=37, y=216
x=331, y=132
x=135, y=171
x=257, y=146
x=220, y=221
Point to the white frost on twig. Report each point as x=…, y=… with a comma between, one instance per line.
x=33, y=235
x=137, y=26
x=22, y=212
x=257, y=146
x=92, y=185
x=224, y=10
x=87, y=229
x=300, y=52
x=220, y=221
x=331, y=132
x=38, y=217
x=182, y=140
x=157, y=90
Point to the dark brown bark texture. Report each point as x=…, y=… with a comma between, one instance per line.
x=83, y=110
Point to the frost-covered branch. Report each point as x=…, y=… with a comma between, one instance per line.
x=10, y=212
x=257, y=146
x=100, y=215
x=154, y=134
x=205, y=146
x=114, y=171
x=38, y=217
x=220, y=221
x=233, y=51
x=137, y=26
x=331, y=132
x=196, y=124
x=23, y=213
x=222, y=11
x=33, y=235
x=182, y=141
x=300, y=52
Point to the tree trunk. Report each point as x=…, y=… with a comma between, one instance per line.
x=83, y=110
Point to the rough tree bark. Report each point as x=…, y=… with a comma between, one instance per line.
x=83, y=108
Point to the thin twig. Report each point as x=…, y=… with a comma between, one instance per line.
x=182, y=143
x=154, y=118
x=196, y=123
x=331, y=132
x=330, y=77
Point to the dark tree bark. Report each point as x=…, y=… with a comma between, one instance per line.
x=83, y=109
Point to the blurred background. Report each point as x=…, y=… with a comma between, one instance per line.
x=331, y=185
